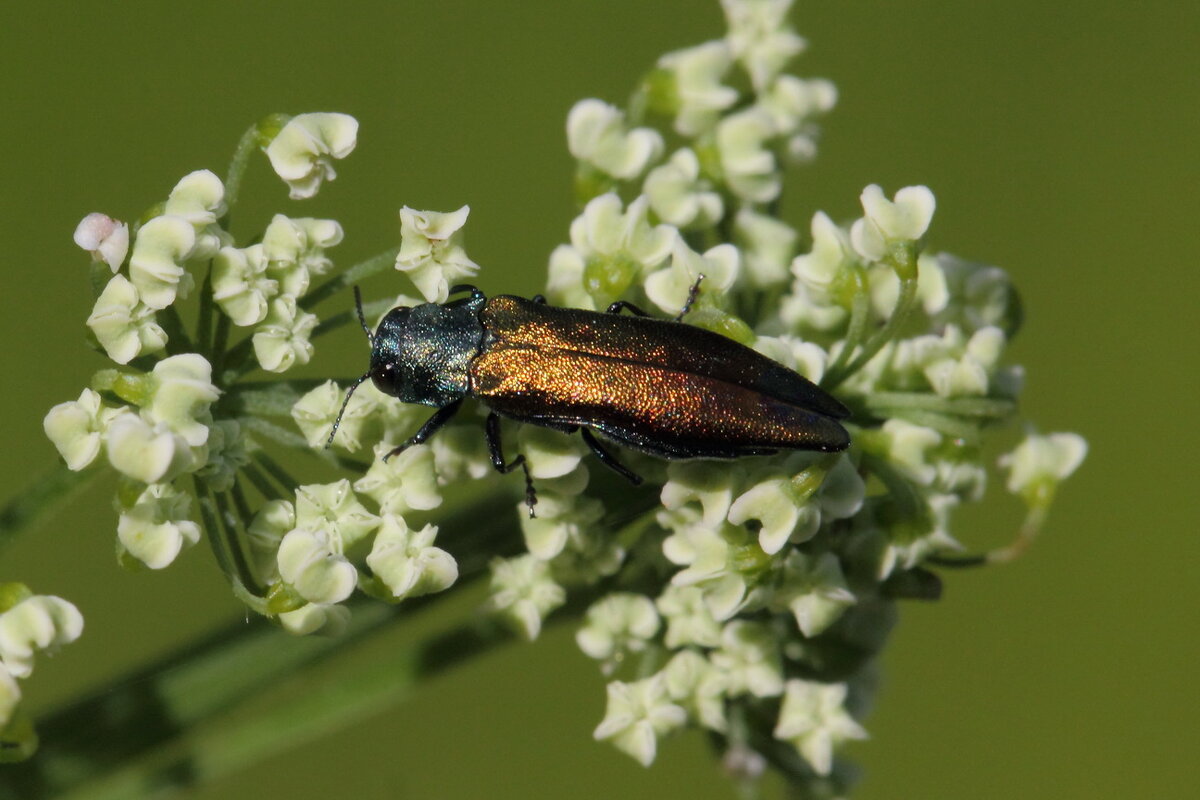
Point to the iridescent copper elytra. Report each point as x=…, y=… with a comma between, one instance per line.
x=662, y=387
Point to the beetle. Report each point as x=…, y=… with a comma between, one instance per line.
x=661, y=387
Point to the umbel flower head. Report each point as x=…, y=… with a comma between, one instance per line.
x=747, y=597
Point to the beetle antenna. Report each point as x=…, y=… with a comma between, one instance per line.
x=362, y=320
x=349, y=393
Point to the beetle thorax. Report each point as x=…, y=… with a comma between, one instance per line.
x=423, y=354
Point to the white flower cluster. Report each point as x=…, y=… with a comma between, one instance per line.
x=152, y=416
x=311, y=553
x=782, y=572
x=29, y=624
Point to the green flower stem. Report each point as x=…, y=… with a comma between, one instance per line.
x=360, y=271
x=231, y=530
x=278, y=473
x=954, y=426
x=177, y=339
x=892, y=403
x=370, y=311
x=221, y=343
x=177, y=723
x=1031, y=526
x=907, y=273
x=212, y=528
x=291, y=439
x=48, y=493
x=259, y=481
x=205, y=313
x=901, y=491
x=237, y=171
x=267, y=398
x=238, y=361
x=860, y=312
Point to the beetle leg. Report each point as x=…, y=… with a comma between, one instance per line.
x=497, y=453
x=621, y=305
x=439, y=418
x=608, y=459
x=476, y=293
x=692, y=294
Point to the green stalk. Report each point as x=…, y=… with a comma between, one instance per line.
x=860, y=308
x=41, y=498
x=237, y=171
x=360, y=271
x=906, y=271
x=177, y=723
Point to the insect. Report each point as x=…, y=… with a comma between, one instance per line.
x=661, y=387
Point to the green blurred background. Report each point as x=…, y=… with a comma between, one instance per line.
x=1061, y=140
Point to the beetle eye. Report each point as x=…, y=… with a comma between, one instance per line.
x=384, y=377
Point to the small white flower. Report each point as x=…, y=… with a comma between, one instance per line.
x=708, y=483
x=37, y=623
x=637, y=715
x=264, y=533
x=565, y=279
x=767, y=246
x=524, y=594
x=967, y=372
x=749, y=659
x=334, y=508
x=689, y=622
x=749, y=167
x=760, y=37
x=199, y=198
x=156, y=266
x=241, y=285
x=814, y=719
x=694, y=683
x=932, y=291
x=697, y=95
x=311, y=562
x=183, y=392
x=596, y=135
x=669, y=288
x=407, y=562
x=885, y=222
x=618, y=245
x=783, y=515
x=282, y=339
x=157, y=527
x=912, y=541
x=402, y=483
x=145, y=452
x=319, y=618
x=295, y=250
x=792, y=101
x=806, y=358
x=617, y=625
x=548, y=453
x=909, y=448
x=315, y=412
x=710, y=559
x=561, y=520
x=303, y=152
x=1040, y=463
x=125, y=326
x=107, y=239
x=679, y=196
x=76, y=428
x=823, y=269
x=431, y=251
x=814, y=589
